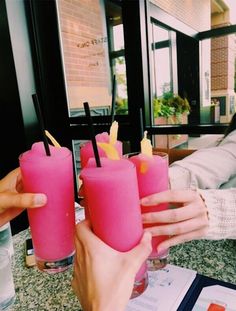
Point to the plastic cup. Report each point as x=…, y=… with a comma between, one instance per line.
x=86, y=149
x=152, y=174
x=111, y=193
x=87, y=152
x=6, y=238
x=53, y=225
x=7, y=288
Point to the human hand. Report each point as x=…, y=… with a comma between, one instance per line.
x=12, y=200
x=188, y=221
x=103, y=277
x=83, y=201
x=81, y=194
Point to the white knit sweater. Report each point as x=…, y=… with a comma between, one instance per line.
x=212, y=172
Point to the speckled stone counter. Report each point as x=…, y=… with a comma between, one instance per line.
x=40, y=291
x=36, y=290
x=216, y=259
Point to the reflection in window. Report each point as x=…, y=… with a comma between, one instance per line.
x=162, y=61
x=118, y=37
x=118, y=67
x=222, y=73
x=121, y=95
x=88, y=47
x=92, y=45
x=162, y=72
x=168, y=107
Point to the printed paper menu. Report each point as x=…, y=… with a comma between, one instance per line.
x=167, y=288
x=216, y=298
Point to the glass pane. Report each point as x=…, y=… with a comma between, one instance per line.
x=197, y=14
x=76, y=150
x=118, y=37
x=175, y=140
x=160, y=34
x=162, y=69
x=121, y=94
x=182, y=141
x=88, y=36
x=161, y=61
x=204, y=141
x=168, y=107
x=166, y=103
x=218, y=98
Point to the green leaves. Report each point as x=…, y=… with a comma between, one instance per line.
x=170, y=105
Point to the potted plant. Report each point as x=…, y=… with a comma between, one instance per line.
x=170, y=106
x=170, y=109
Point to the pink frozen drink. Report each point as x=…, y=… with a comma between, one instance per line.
x=152, y=174
x=86, y=150
x=52, y=226
x=111, y=193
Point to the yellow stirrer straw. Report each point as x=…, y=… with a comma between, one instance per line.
x=113, y=133
x=53, y=140
x=146, y=146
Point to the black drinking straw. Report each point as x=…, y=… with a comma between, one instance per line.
x=41, y=123
x=92, y=134
x=113, y=99
x=141, y=122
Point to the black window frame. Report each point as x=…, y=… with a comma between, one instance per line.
x=43, y=19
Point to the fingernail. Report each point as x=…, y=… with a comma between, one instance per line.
x=40, y=199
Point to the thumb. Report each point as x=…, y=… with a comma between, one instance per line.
x=22, y=200
x=141, y=252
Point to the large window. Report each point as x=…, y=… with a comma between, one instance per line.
x=117, y=56
x=163, y=44
x=205, y=69
x=112, y=38
x=93, y=57
x=93, y=53
x=167, y=105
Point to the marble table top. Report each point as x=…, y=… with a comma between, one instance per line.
x=37, y=290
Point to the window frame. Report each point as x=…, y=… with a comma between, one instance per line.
x=45, y=42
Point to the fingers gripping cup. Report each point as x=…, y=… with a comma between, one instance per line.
x=152, y=173
x=111, y=193
x=52, y=226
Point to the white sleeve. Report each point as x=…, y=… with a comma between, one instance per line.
x=221, y=206
x=206, y=168
x=180, y=178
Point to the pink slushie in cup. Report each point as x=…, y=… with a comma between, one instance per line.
x=86, y=149
x=86, y=152
x=152, y=173
x=52, y=226
x=111, y=192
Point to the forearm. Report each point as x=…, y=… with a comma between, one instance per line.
x=221, y=206
x=205, y=169
x=180, y=178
